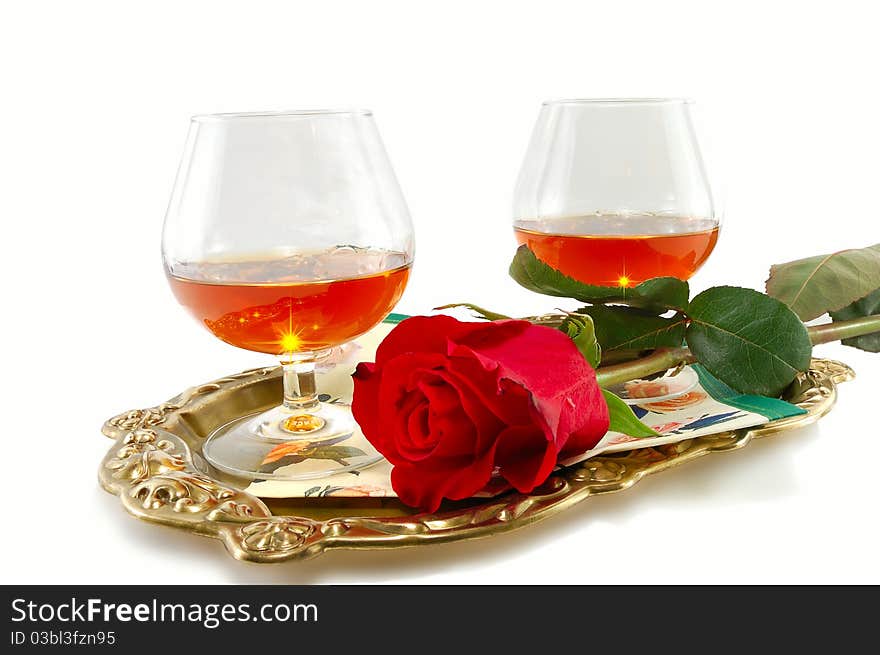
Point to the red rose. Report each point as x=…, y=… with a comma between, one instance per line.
x=449, y=403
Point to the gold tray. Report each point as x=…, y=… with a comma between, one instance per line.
x=156, y=468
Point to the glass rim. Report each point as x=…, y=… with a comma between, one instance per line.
x=619, y=101
x=283, y=113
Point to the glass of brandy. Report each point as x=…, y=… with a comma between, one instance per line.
x=613, y=192
x=287, y=234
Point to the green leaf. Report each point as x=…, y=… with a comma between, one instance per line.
x=628, y=328
x=658, y=294
x=750, y=341
x=827, y=283
x=623, y=420
x=479, y=311
x=662, y=293
x=583, y=333
x=867, y=306
x=334, y=452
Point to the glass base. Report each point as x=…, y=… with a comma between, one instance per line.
x=674, y=383
x=281, y=444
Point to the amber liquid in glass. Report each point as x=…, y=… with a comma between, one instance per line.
x=300, y=303
x=620, y=250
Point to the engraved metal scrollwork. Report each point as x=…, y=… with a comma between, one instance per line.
x=278, y=534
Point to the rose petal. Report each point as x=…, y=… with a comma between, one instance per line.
x=418, y=334
x=412, y=445
x=453, y=395
x=393, y=388
x=594, y=428
x=525, y=457
x=546, y=363
x=505, y=399
x=426, y=484
x=417, y=424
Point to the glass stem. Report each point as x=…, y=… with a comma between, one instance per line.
x=300, y=391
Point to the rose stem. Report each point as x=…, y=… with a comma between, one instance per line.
x=857, y=327
x=665, y=358
x=659, y=360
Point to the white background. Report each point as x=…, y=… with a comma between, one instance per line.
x=97, y=97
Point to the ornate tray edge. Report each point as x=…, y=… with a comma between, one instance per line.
x=154, y=473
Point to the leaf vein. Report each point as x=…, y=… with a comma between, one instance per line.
x=812, y=275
x=747, y=342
